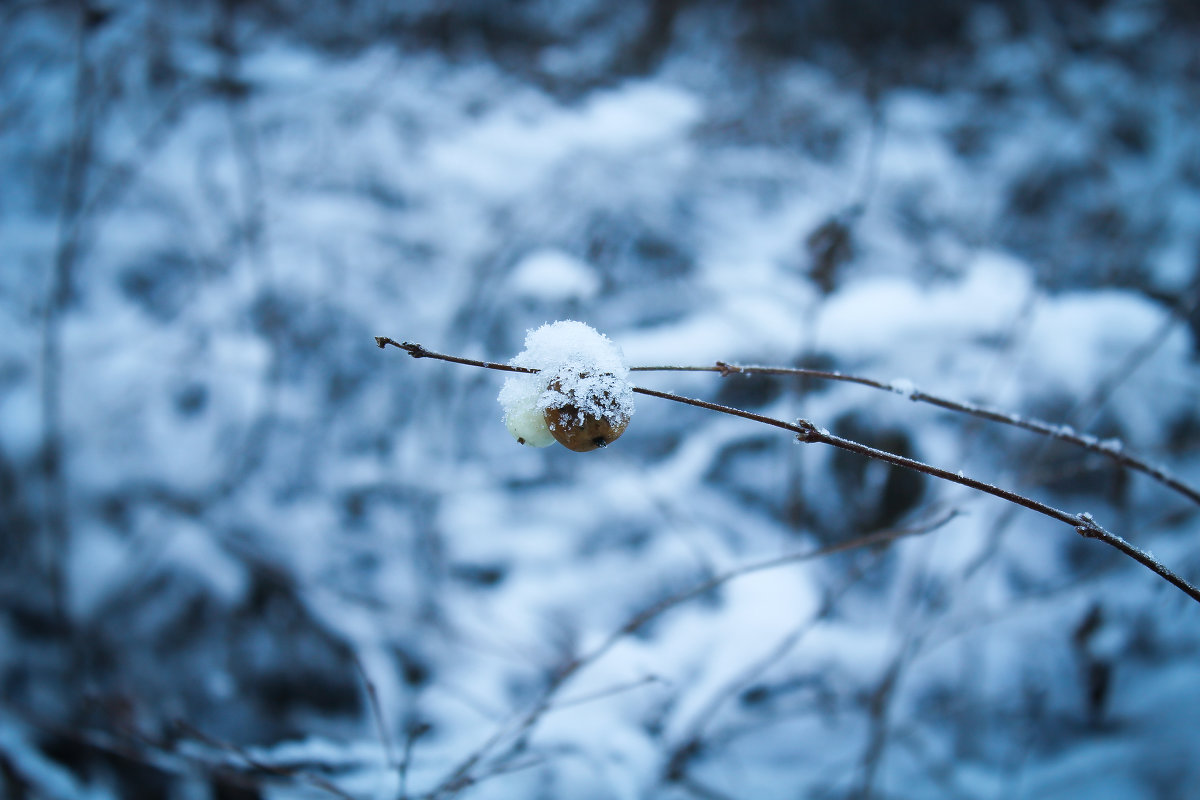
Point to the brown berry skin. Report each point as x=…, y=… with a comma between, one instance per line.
x=590, y=434
x=579, y=431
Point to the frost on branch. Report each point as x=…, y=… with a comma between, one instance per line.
x=581, y=397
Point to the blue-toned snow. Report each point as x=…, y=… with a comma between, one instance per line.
x=255, y=492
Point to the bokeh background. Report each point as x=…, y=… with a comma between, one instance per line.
x=246, y=554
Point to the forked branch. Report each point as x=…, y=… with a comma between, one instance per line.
x=806, y=431
x=513, y=735
x=1112, y=449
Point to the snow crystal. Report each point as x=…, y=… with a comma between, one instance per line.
x=579, y=367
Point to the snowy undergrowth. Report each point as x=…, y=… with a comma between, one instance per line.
x=258, y=497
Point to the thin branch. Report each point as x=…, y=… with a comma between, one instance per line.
x=639, y=620
x=282, y=772
x=1091, y=406
x=1109, y=448
x=807, y=432
x=385, y=738
x=879, y=707
x=693, y=742
x=417, y=351
x=1083, y=524
x=649, y=680
x=460, y=777
x=130, y=745
x=56, y=523
x=414, y=732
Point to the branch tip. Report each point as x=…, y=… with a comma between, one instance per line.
x=413, y=349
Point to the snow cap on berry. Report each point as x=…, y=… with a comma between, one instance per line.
x=581, y=394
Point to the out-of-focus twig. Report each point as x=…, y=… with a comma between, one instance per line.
x=415, y=732
x=385, y=738
x=515, y=733
x=55, y=520
x=283, y=772
x=694, y=740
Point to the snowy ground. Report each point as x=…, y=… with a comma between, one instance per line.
x=245, y=553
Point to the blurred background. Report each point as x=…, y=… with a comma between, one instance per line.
x=246, y=554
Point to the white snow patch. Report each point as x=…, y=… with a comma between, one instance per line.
x=985, y=301
x=509, y=151
x=97, y=565
x=553, y=275
x=193, y=549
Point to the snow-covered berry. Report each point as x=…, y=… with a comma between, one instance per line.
x=581, y=396
x=524, y=420
x=583, y=411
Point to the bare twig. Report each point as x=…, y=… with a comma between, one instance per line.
x=694, y=741
x=461, y=777
x=807, y=432
x=1083, y=524
x=257, y=764
x=55, y=514
x=414, y=732
x=385, y=738
x=649, y=680
x=417, y=351
x=130, y=745
x=1089, y=408
x=879, y=707
x=1109, y=448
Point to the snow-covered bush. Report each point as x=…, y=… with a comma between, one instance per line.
x=244, y=554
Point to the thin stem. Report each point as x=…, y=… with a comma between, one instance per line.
x=415, y=732
x=381, y=727
x=1111, y=449
x=694, y=740
x=730, y=410
x=417, y=351
x=1083, y=524
x=262, y=766
x=515, y=733
x=649, y=680
x=55, y=513
x=807, y=432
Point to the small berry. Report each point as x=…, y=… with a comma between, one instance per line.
x=580, y=396
x=585, y=422
x=528, y=425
